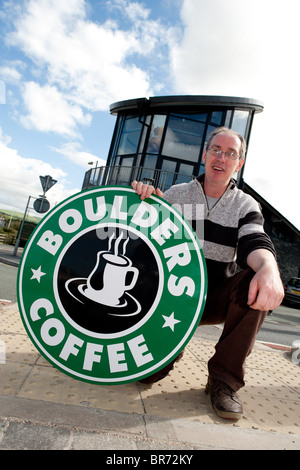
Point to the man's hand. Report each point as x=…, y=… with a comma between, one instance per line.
x=266, y=290
x=145, y=190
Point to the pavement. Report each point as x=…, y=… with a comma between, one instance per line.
x=44, y=409
x=7, y=255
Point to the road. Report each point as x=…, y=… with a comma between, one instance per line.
x=278, y=334
x=8, y=279
x=281, y=327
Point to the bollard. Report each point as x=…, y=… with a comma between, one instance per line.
x=296, y=352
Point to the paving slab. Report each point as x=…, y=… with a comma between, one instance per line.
x=43, y=408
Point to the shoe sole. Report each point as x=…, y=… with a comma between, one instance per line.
x=223, y=414
x=227, y=414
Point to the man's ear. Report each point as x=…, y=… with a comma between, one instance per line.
x=240, y=164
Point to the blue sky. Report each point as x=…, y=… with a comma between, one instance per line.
x=63, y=63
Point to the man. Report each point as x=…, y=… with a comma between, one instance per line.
x=233, y=232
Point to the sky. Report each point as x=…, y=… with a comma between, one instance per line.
x=62, y=63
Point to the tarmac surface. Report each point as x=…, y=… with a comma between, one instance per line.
x=44, y=409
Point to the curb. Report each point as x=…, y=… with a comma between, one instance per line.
x=10, y=262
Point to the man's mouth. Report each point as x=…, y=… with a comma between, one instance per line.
x=218, y=168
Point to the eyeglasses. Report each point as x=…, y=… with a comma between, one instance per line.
x=218, y=153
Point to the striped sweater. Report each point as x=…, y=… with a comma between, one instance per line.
x=228, y=232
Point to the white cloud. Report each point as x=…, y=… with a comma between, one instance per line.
x=72, y=151
x=235, y=48
x=4, y=139
x=19, y=177
x=90, y=63
x=49, y=110
x=134, y=10
x=10, y=73
x=222, y=43
x=249, y=48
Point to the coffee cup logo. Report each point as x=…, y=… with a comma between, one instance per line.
x=111, y=288
x=112, y=277
x=114, y=284
x=108, y=282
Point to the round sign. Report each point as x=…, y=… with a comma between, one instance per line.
x=111, y=288
x=41, y=205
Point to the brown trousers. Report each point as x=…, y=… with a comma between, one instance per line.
x=228, y=304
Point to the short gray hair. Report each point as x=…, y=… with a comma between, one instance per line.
x=226, y=130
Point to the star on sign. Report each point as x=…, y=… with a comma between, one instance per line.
x=37, y=274
x=170, y=321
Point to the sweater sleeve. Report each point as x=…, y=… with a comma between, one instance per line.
x=252, y=236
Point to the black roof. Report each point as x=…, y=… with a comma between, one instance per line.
x=186, y=101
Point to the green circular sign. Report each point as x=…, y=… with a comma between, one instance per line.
x=111, y=288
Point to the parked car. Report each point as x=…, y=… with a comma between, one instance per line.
x=292, y=290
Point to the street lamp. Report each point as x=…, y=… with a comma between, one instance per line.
x=93, y=173
x=92, y=163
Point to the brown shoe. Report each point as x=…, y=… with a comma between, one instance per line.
x=224, y=399
x=161, y=374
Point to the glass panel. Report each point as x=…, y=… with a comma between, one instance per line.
x=157, y=129
x=138, y=160
x=228, y=118
x=185, y=173
x=185, y=169
x=144, y=134
x=116, y=137
x=127, y=161
x=193, y=117
x=202, y=169
x=148, y=169
x=295, y=283
x=210, y=129
x=240, y=120
x=150, y=161
x=130, y=136
x=183, y=138
x=167, y=177
x=122, y=175
x=216, y=117
x=169, y=165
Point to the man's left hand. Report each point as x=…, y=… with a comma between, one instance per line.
x=266, y=290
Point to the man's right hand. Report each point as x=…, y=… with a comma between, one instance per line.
x=145, y=190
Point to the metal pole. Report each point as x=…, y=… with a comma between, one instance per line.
x=10, y=219
x=46, y=185
x=21, y=228
x=44, y=191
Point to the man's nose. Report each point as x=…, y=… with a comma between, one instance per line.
x=221, y=156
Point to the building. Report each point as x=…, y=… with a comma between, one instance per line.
x=285, y=237
x=161, y=140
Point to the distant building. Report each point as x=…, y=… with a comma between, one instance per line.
x=285, y=236
x=161, y=140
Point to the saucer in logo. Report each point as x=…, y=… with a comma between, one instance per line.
x=111, y=288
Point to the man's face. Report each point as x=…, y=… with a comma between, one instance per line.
x=219, y=169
